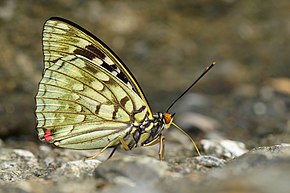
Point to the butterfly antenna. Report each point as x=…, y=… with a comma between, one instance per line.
x=205, y=71
x=194, y=144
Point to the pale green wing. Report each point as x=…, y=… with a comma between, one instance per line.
x=81, y=105
x=62, y=38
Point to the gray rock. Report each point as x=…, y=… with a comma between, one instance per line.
x=181, y=167
x=75, y=169
x=223, y=148
x=17, y=164
x=42, y=186
x=262, y=170
x=132, y=171
x=282, y=150
x=210, y=161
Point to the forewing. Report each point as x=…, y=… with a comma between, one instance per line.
x=62, y=38
x=81, y=105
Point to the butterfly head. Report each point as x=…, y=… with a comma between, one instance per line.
x=167, y=119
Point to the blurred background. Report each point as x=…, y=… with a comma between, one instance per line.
x=166, y=44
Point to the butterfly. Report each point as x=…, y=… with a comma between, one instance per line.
x=88, y=98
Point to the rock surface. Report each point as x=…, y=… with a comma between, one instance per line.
x=263, y=169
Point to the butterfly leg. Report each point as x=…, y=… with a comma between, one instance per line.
x=96, y=155
x=113, y=151
x=159, y=140
x=161, y=147
x=153, y=142
x=124, y=144
x=106, y=147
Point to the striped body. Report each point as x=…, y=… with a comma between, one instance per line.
x=145, y=133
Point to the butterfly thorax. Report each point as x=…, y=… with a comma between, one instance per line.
x=147, y=132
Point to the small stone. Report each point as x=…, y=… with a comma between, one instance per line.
x=210, y=161
x=27, y=155
x=281, y=150
x=223, y=148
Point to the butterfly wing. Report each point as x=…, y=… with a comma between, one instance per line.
x=62, y=37
x=87, y=98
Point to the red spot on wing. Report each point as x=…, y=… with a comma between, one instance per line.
x=47, y=135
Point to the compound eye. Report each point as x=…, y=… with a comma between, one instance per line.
x=167, y=118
